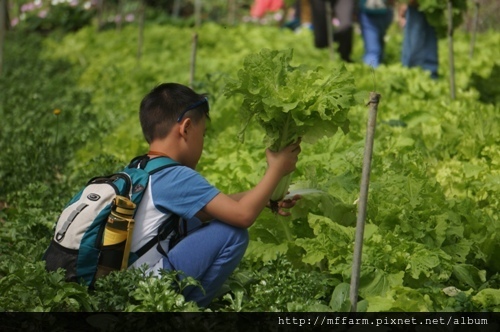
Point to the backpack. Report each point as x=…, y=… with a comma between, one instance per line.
x=94, y=231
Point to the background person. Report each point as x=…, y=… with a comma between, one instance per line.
x=420, y=43
x=344, y=11
x=375, y=17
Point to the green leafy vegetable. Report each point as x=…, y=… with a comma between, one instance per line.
x=291, y=102
x=436, y=13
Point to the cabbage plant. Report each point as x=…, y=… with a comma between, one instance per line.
x=291, y=101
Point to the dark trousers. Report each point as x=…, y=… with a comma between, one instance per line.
x=343, y=34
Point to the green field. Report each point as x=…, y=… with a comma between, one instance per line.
x=433, y=226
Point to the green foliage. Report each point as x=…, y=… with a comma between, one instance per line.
x=158, y=294
x=291, y=102
x=114, y=291
x=488, y=298
x=436, y=12
x=433, y=230
x=277, y=286
x=34, y=87
x=28, y=287
x=488, y=90
x=137, y=291
x=61, y=16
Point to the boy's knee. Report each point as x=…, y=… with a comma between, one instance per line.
x=238, y=235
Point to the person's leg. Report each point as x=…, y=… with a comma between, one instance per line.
x=419, y=43
x=319, y=21
x=344, y=33
x=209, y=254
x=344, y=12
x=371, y=39
x=384, y=22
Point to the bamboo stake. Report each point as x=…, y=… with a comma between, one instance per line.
x=193, y=60
x=329, y=29
x=197, y=12
x=6, y=15
x=3, y=28
x=100, y=14
x=231, y=17
x=177, y=8
x=450, y=49
x=474, y=28
x=140, y=39
x=120, y=15
x=363, y=199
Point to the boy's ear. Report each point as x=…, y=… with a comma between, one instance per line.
x=185, y=126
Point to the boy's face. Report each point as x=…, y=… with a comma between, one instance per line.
x=195, y=143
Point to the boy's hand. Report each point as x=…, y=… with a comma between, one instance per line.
x=284, y=204
x=284, y=161
x=401, y=17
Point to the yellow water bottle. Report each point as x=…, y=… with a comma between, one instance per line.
x=122, y=212
x=117, y=236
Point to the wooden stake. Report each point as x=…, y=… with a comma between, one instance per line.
x=193, y=60
x=100, y=14
x=3, y=30
x=197, y=12
x=140, y=39
x=474, y=28
x=177, y=8
x=119, y=24
x=363, y=199
x=231, y=13
x=329, y=29
x=450, y=49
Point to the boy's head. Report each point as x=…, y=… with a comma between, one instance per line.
x=168, y=104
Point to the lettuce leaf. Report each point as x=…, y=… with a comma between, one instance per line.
x=291, y=102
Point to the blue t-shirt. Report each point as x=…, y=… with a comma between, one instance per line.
x=181, y=190
x=176, y=190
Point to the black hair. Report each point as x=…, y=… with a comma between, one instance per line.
x=164, y=106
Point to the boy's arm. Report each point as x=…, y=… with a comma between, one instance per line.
x=284, y=204
x=203, y=216
x=242, y=209
x=238, y=196
x=401, y=15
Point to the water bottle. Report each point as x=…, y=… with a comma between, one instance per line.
x=117, y=237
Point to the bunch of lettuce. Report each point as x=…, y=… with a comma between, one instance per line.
x=436, y=13
x=291, y=102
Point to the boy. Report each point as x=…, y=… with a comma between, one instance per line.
x=173, y=119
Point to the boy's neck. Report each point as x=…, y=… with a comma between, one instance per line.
x=153, y=153
x=168, y=146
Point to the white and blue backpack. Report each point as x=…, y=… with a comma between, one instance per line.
x=87, y=243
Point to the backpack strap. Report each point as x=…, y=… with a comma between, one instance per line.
x=169, y=225
x=152, y=165
x=139, y=161
x=157, y=164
